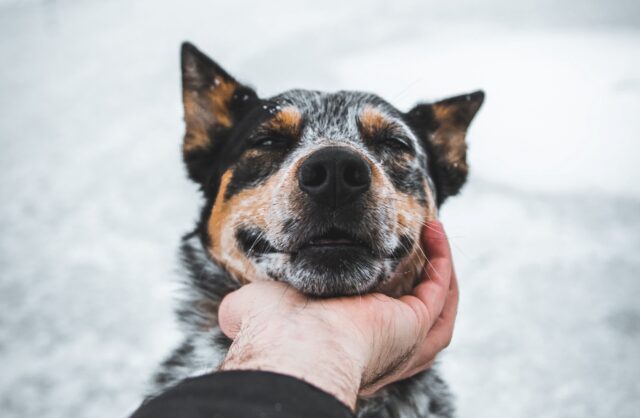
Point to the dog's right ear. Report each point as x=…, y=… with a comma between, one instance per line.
x=213, y=103
x=443, y=128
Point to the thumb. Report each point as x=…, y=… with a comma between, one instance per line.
x=252, y=299
x=230, y=314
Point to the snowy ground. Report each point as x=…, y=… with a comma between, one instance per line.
x=93, y=197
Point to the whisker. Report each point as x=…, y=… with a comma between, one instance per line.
x=406, y=89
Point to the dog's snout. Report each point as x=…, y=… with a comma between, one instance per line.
x=334, y=176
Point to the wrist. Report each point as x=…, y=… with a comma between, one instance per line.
x=322, y=357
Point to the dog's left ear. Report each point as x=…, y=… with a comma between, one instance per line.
x=443, y=127
x=213, y=102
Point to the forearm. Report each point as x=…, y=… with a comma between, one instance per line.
x=320, y=358
x=243, y=394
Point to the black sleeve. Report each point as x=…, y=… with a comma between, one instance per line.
x=247, y=394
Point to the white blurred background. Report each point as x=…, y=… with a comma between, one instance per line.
x=94, y=199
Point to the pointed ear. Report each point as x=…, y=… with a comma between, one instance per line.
x=213, y=103
x=443, y=126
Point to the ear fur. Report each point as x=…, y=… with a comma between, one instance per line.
x=443, y=126
x=213, y=103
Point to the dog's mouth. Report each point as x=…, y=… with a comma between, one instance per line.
x=323, y=261
x=254, y=242
x=335, y=239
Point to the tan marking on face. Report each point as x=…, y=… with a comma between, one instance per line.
x=411, y=217
x=406, y=275
x=432, y=207
x=251, y=204
x=372, y=121
x=288, y=121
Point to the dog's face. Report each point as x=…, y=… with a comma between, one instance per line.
x=325, y=191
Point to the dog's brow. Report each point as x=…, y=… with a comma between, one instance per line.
x=372, y=121
x=288, y=121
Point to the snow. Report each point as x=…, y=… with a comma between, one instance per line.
x=546, y=234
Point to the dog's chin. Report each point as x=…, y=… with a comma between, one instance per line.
x=334, y=270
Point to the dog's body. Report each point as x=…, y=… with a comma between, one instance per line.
x=325, y=191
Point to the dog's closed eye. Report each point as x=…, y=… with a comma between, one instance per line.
x=271, y=142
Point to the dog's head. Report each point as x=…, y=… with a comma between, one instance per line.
x=325, y=191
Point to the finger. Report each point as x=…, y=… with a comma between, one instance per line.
x=412, y=371
x=434, y=239
x=433, y=289
x=440, y=335
x=422, y=317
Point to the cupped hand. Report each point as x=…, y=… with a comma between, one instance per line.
x=347, y=346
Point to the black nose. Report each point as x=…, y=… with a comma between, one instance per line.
x=334, y=176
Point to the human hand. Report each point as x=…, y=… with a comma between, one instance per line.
x=349, y=345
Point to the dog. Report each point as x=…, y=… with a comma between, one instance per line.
x=324, y=191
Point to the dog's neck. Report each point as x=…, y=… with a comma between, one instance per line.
x=207, y=284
